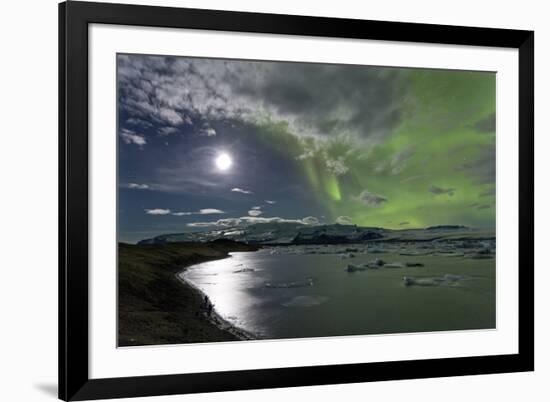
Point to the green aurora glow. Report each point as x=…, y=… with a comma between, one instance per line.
x=372, y=146
x=438, y=129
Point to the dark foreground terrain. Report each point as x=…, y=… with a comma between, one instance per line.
x=154, y=307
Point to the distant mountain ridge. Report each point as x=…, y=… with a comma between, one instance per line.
x=287, y=233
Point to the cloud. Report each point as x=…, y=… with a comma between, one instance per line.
x=440, y=190
x=316, y=100
x=208, y=131
x=400, y=159
x=370, y=199
x=137, y=186
x=169, y=115
x=254, y=212
x=487, y=124
x=344, y=220
x=271, y=202
x=157, y=211
x=206, y=225
x=310, y=220
x=490, y=192
x=397, y=163
x=210, y=211
x=483, y=168
x=130, y=137
x=336, y=166
x=244, y=221
x=227, y=222
x=306, y=155
x=167, y=130
x=204, y=211
x=257, y=207
x=240, y=190
x=139, y=122
x=413, y=178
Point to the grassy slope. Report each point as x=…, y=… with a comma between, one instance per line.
x=154, y=307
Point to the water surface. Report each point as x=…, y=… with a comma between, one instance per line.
x=288, y=292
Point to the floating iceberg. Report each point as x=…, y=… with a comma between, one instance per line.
x=346, y=255
x=445, y=280
x=285, y=285
x=415, y=253
x=305, y=301
x=356, y=268
x=374, y=264
x=445, y=253
x=394, y=265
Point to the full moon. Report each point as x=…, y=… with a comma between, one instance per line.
x=223, y=161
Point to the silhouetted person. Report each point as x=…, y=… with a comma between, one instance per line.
x=205, y=303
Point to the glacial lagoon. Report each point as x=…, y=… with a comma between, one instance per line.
x=327, y=290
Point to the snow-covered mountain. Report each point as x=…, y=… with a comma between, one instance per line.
x=295, y=233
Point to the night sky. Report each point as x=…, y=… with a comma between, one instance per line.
x=207, y=143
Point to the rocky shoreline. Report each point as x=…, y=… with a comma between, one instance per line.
x=215, y=318
x=155, y=308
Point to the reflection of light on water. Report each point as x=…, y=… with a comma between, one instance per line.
x=226, y=288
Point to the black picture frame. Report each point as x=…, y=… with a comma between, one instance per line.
x=74, y=381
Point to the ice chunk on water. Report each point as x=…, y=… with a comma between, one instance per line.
x=394, y=265
x=445, y=280
x=284, y=285
x=356, y=268
x=305, y=301
x=414, y=264
x=346, y=255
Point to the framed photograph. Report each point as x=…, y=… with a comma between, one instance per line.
x=258, y=201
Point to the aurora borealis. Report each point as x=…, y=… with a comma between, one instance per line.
x=315, y=143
